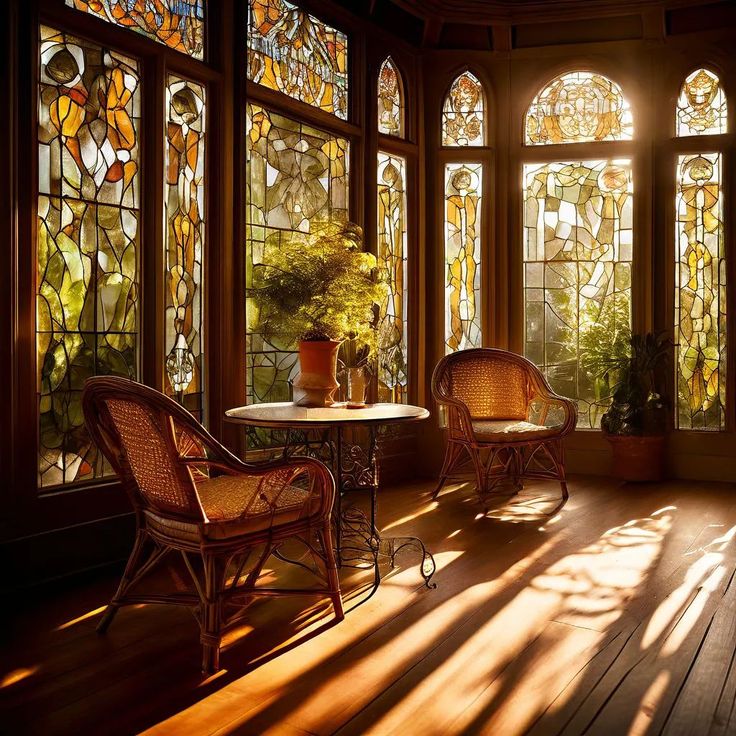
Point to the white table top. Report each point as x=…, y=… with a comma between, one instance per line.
x=287, y=414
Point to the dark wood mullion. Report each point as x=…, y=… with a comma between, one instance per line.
x=24, y=391
x=153, y=231
x=282, y=104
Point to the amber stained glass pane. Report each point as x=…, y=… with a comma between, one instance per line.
x=701, y=107
x=577, y=275
x=295, y=53
x=700, y=294
x=577, y=107
x=87, y=259
x=463, y=198
x=185, y=208
x=179, y=24
x=296, y=175
x=463, y=113
x=390, y=100
x=392, y=261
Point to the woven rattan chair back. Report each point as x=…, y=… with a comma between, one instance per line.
x=490, y=383
x=142, y=433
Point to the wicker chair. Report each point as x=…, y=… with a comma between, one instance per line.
x=223, y=517
x=498, y=404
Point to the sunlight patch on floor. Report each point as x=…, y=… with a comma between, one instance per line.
x=79, y=619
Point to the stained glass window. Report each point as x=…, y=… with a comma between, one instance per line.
x=392, y=252
x=463, y=197
x=463, y=118
x=701, y=107
x=184, y=202
x=295, y=53
x=577, y=275
x=179, y=24
x=577, y=107
x=700, y=293
x=296, y=176
x=87, y=250
x=390, y=100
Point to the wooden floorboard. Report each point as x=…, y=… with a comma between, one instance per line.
x=616, y=616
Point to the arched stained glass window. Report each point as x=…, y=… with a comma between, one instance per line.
x=701, y=106
x=390, y=100
x=463, y=114
x=578, y=107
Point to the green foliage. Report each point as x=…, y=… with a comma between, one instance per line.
x=318, y=286
x=638, y=407
x=604, y=342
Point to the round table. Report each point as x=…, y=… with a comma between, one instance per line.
x=355, y=469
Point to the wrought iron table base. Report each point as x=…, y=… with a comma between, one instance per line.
x=359, y=543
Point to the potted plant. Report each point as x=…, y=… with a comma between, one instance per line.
x=635, y=422
x=316, y=289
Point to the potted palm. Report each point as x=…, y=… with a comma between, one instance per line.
x=316, y=289
x=636, y=420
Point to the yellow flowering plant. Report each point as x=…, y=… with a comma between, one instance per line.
x=319, y=286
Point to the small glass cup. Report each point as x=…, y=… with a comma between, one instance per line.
x=357, y=384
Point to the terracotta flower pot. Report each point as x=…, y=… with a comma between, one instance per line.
x=638, y=458
x=317, y=380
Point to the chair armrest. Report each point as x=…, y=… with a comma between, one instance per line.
x=277, y=476
x=459, y=422
x=549, y=400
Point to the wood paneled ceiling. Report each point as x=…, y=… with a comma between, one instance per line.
x=505, y=24
x=492, y=12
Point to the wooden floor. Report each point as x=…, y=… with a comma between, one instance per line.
x=615, y=616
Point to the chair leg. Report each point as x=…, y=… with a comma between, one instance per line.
x=559, y=457
x=325, y=538
x=480, y=473
x=211, y=619
x=130, y=569
x=452, y=452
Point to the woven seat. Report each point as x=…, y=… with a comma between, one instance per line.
x=510, y=430
x=193, y=497
x=501, y=415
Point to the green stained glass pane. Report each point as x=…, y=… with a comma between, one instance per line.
x=577, y=275
x=296, y=175
x=87, y=245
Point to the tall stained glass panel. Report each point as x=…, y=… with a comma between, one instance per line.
x=179, y=24
x=392, y=261
x=700, y=293
x=87, y=249
x=295, y=53
x=578, y=240
x=185, y=206
x=701, y=106
x=463, y=199
x=463, y=120
x=296, y=175
x=578, y=107
x=390, y=100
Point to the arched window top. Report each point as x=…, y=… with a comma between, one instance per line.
x=463, y=122
x=390, y=99
x=701, y=106
x=578, y=107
